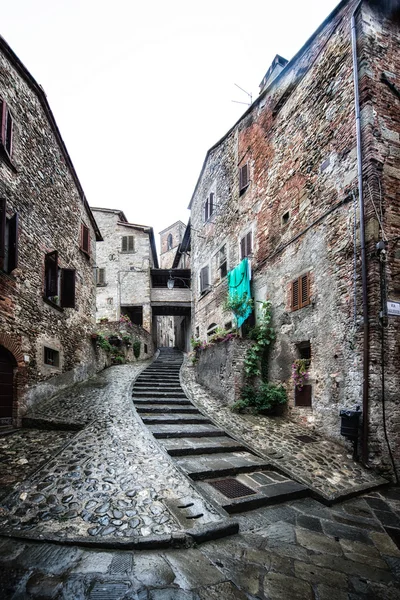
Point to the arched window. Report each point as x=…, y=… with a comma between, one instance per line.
x=169, y=242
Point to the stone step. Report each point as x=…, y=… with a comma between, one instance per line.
x=167, y=378
x=158, y=388
x=176, y=418
x=175, y=401
x=207, y=466
x=166, y=408
x=201, y=445
x=184, y=430
x=274, y=493
x=155, y=394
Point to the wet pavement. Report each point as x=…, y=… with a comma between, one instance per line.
x=113, y=481
x=323, y=465
x=110, y=481
x=301, y=550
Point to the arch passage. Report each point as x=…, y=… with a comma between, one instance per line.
x=7, y=364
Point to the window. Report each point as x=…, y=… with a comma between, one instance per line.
x=246, y=245
x=8, y=239
x=51, y=357
x=211, y=329
x=169, y=242
x=209, y=207
x=128, y=244
x=300, y=292
x=110, y=301
x=85, y=239
x=285, y=218
x=59, y=283
x=222, y=262
x=204, y=279
x=6, y=128
x=145, y=349
x=101, y=276
x=244, y=178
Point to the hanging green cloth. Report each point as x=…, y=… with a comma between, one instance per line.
x=239, y=290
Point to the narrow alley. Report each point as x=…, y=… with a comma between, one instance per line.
x=126, y=499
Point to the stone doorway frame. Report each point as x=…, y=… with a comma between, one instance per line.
x=13, y=345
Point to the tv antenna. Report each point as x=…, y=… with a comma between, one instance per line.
x=249, y=95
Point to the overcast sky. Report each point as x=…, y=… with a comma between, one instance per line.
x=141, y=90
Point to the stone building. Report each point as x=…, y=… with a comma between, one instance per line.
x=124, y=261
x=47, y=250
x=170, y=238
x=174, y=331
x=306, y=186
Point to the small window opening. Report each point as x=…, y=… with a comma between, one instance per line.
x=285, y=218
x=211, y=329
x=228, y=325
x=51, y=357
x=145, y=349
x=169, y=242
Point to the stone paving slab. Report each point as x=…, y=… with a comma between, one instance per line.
x=110, y=480
x=282, y=553
x=24, y=451
x=324, y=466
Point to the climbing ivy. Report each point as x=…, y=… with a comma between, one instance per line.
x=258, y=392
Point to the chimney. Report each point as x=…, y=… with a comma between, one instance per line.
x=277, y=65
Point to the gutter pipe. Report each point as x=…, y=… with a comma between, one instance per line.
x=365, y=397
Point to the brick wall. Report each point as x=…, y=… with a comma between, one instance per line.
x=299, y=142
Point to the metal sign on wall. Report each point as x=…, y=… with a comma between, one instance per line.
x=393, y=309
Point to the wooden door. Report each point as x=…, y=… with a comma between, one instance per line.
x=6, y=386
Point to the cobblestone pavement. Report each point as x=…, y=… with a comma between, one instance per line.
x=111, y=480
x=24, y=451
x=301, y=550
x=322, y=465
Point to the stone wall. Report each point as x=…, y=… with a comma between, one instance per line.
x=127, y=274
x=220, y=369
x=298, y=140
x=167, y=255
x=135, y=332
x=40, y=185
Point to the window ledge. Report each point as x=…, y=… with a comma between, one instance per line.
x=101, y=284
x=8, y=275
x=87, y=254
x=205, y=293
x=52, y=304
x=6, y=158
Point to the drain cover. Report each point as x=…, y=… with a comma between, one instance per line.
x=232, y=488
x=307, y=439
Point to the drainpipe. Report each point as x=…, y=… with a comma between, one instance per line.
x=364, y=448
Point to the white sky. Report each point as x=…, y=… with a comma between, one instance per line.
x=140, y=91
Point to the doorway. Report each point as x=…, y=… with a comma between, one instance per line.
x=7, y=365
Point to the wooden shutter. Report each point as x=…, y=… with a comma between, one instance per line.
x=124, y=246
x=2, y=227
x=131, y=246
x=249, y=248
x=305, y=296
x=211, y=204
x=295, y=295
x=3, y=122
x=206, y=277
x=13, y=243
x=243, y=177
x=101, y=276
x=206, y=211
x=303, y=397
x=68, y=288
x=8, y=133
x=85, y=239
x=51, y=274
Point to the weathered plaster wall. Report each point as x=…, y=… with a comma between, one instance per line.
x=39, y=186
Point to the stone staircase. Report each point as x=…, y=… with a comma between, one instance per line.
x=224, y=469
